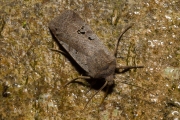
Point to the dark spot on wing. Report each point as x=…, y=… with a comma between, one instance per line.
x=81, y=31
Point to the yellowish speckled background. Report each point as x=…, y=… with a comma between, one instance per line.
x=32, y=76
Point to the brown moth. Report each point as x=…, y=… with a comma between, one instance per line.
x=80, y=42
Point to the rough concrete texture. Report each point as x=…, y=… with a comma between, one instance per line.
x=32, y=76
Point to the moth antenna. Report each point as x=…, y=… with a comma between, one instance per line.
x=95, y=94
x=117, y=44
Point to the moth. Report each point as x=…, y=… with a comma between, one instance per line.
x=84, y=46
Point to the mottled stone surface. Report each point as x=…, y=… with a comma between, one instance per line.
x=32, y=76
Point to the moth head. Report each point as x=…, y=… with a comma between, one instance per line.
x=110, y=80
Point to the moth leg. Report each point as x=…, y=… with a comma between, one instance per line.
x=80, y=77
x=93, y=83
x=117, y=44
x=60, y=51
x=105, y=84
x=105, y=95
